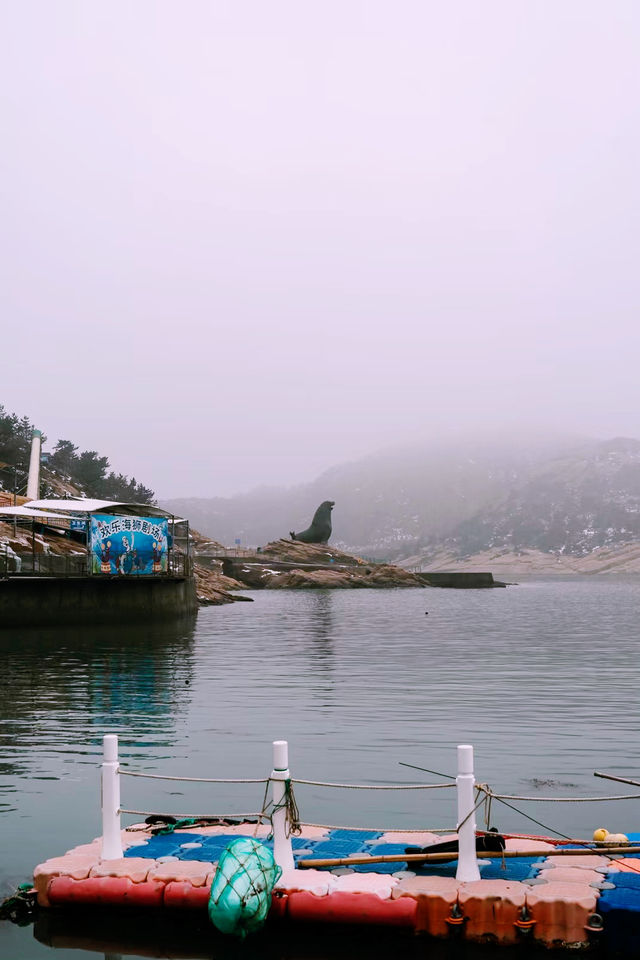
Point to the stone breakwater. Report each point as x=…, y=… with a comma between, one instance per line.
x=292, y=565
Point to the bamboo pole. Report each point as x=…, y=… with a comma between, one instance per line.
x=485, y=854
x=607, y=776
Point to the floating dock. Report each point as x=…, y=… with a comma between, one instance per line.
x=548, y=898
x=549, y=892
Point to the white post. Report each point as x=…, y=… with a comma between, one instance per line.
x=33, y=483
x=282, y=852
x=111, y=837
x=465, y=782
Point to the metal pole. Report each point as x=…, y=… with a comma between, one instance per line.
x=465, y=782
x=282, y=851
x=111, y=837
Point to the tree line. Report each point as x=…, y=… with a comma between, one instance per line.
x=86, y=469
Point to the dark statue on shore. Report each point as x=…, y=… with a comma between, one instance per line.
x=320, y=529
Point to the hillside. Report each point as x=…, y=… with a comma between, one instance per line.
x=384, y=503
x=444, y=504
x=64, y=470
x=586, y=499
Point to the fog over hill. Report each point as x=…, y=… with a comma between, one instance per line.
x=564, y=496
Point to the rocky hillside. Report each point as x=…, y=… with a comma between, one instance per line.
x=385, y=503
x=505, y=563
x=563, y=500
x=587, y=499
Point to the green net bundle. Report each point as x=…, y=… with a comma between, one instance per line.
x=241, y=890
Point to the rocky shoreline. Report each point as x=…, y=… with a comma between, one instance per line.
x=293, y=565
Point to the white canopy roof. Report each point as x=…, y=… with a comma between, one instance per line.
x=86, y=505
x=32, y=514
x=75, y=504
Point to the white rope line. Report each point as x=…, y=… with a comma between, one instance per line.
x=196, y=816
x=310, y=783
x=506, y=796
x=369, y=786
x=333, y=826
x=160, y=776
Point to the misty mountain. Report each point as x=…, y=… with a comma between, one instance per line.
x=382, y=501
x=587, y=498
x=565, y=496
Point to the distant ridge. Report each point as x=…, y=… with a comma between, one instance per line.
x=565, y=498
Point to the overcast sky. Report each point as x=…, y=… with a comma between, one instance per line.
x=242, y=241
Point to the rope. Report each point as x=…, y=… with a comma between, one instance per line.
x=368, y=786
x=482, y=800
x=195, y=816
x=426, y=770
x=624, y=796
x=487, y=812
x=289, y=804
x=589, y=849
x=310, y=783
x=333, y=826
x=292, y=821
x=159, y=776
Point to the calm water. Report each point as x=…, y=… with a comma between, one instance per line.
x=542, y=678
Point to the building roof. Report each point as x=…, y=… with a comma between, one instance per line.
x=31, y=514
x=86, y=505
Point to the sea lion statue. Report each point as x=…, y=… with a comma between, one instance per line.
x=320, y=529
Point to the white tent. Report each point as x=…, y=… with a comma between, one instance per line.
x=86, y=505
x=32, y=514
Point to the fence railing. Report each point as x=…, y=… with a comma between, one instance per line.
x=280, y=809
x=42, y=565
x=14, y=564
x=179, y=565
x=242, y=552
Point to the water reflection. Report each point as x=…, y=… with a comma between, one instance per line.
x=60, y=685
x=321, y=650
x=197, y=940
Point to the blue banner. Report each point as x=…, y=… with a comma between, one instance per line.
x=128, y=546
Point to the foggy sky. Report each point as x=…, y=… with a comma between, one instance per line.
x=242, y=241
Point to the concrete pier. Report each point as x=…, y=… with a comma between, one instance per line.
x=27, y=601
x=459, y=579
